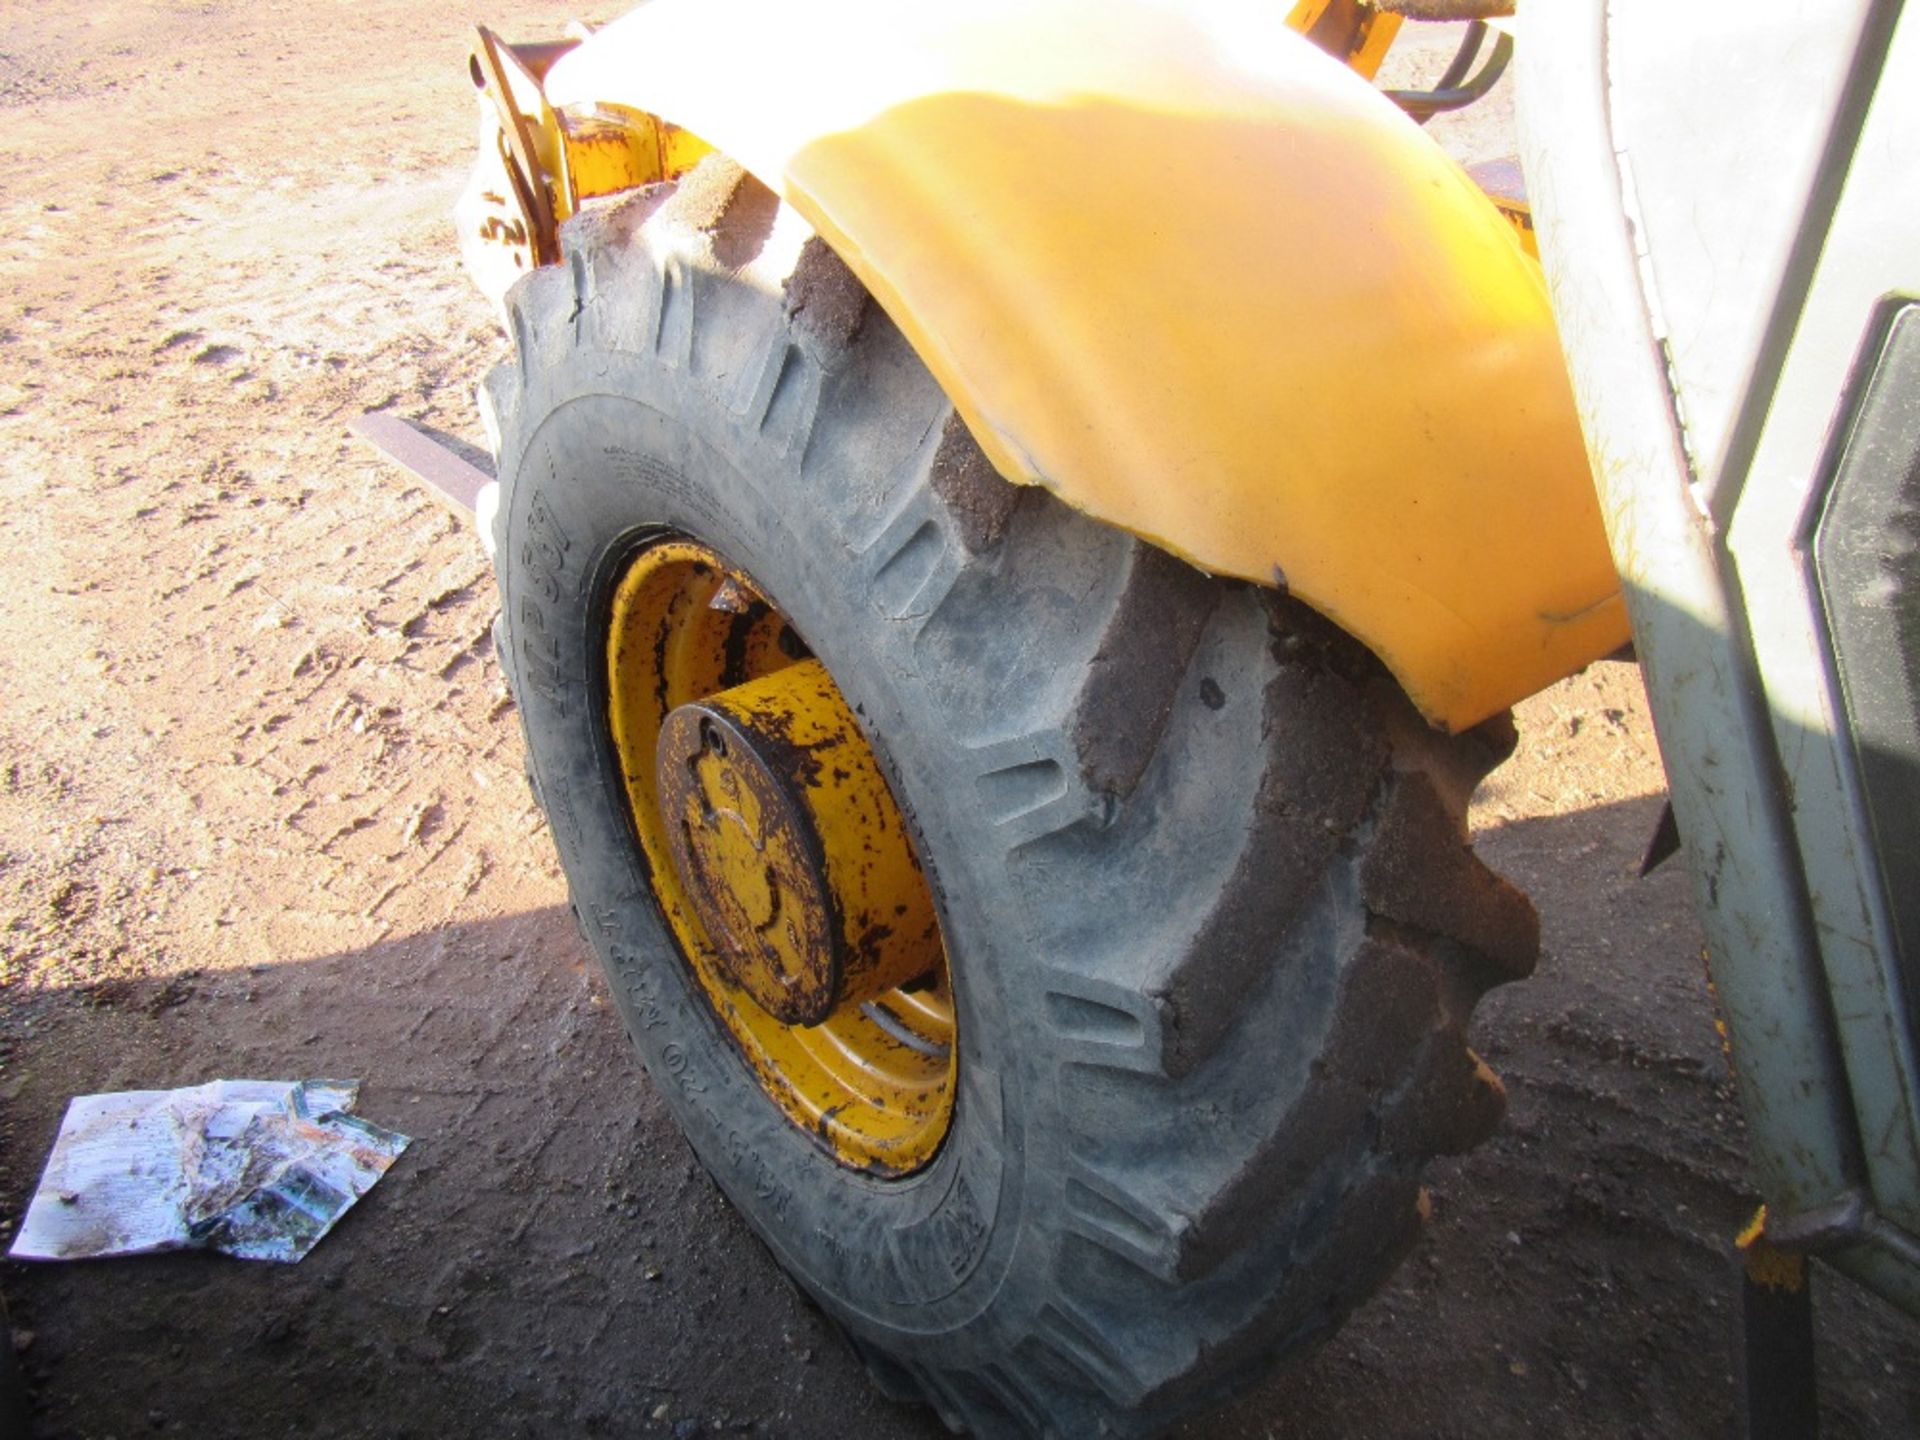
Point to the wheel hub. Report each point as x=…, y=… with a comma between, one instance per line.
x=778, y=860
x=772, y=803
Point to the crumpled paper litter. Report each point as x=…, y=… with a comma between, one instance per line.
x=260, y=1169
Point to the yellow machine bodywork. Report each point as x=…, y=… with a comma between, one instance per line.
x=1193, y=275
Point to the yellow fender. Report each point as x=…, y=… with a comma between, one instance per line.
x=1195, y=277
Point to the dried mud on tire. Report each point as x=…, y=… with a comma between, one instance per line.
x=1215, y=933
x=262, y=813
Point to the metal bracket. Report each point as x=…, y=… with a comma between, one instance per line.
x=424, y=458
x=522, y=163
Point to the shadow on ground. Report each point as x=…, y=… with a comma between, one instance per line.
x=546, y=1259
x=549, y=1260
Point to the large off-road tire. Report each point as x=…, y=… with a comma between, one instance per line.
x=1213, y=926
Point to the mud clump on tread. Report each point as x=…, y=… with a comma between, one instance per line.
x=1305, y=638
x=1312, y=797
x=1495, y=738
x=612, y=222
x=1454, y=1103
x=1135, y=676
x=825, y=298
x=980, y=501
x=1381, y=1023
x=1445, y=890
x=720, y=199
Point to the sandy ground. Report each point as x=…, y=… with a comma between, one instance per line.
x=261, y=814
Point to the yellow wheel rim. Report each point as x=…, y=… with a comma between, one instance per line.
x=779, y=859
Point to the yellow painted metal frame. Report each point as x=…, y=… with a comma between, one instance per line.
x=874, y=1083
x=537, y=166
x=1197, y=278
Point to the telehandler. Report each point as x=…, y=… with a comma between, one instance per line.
x=1018, y=526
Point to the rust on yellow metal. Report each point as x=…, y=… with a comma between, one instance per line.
x=779, y=859
x=680, y=150
x=538, y=163
x=610, y=148
x=1198, y=279
x=1519, y=214
x=491, y=218
x=507, y=217
x=788, y=841
x=605, y=153
x=528, y=146
x=1767, y=1265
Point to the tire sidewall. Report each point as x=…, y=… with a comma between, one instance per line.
x=597, y=469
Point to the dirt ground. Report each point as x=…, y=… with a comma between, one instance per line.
x=261, y=814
